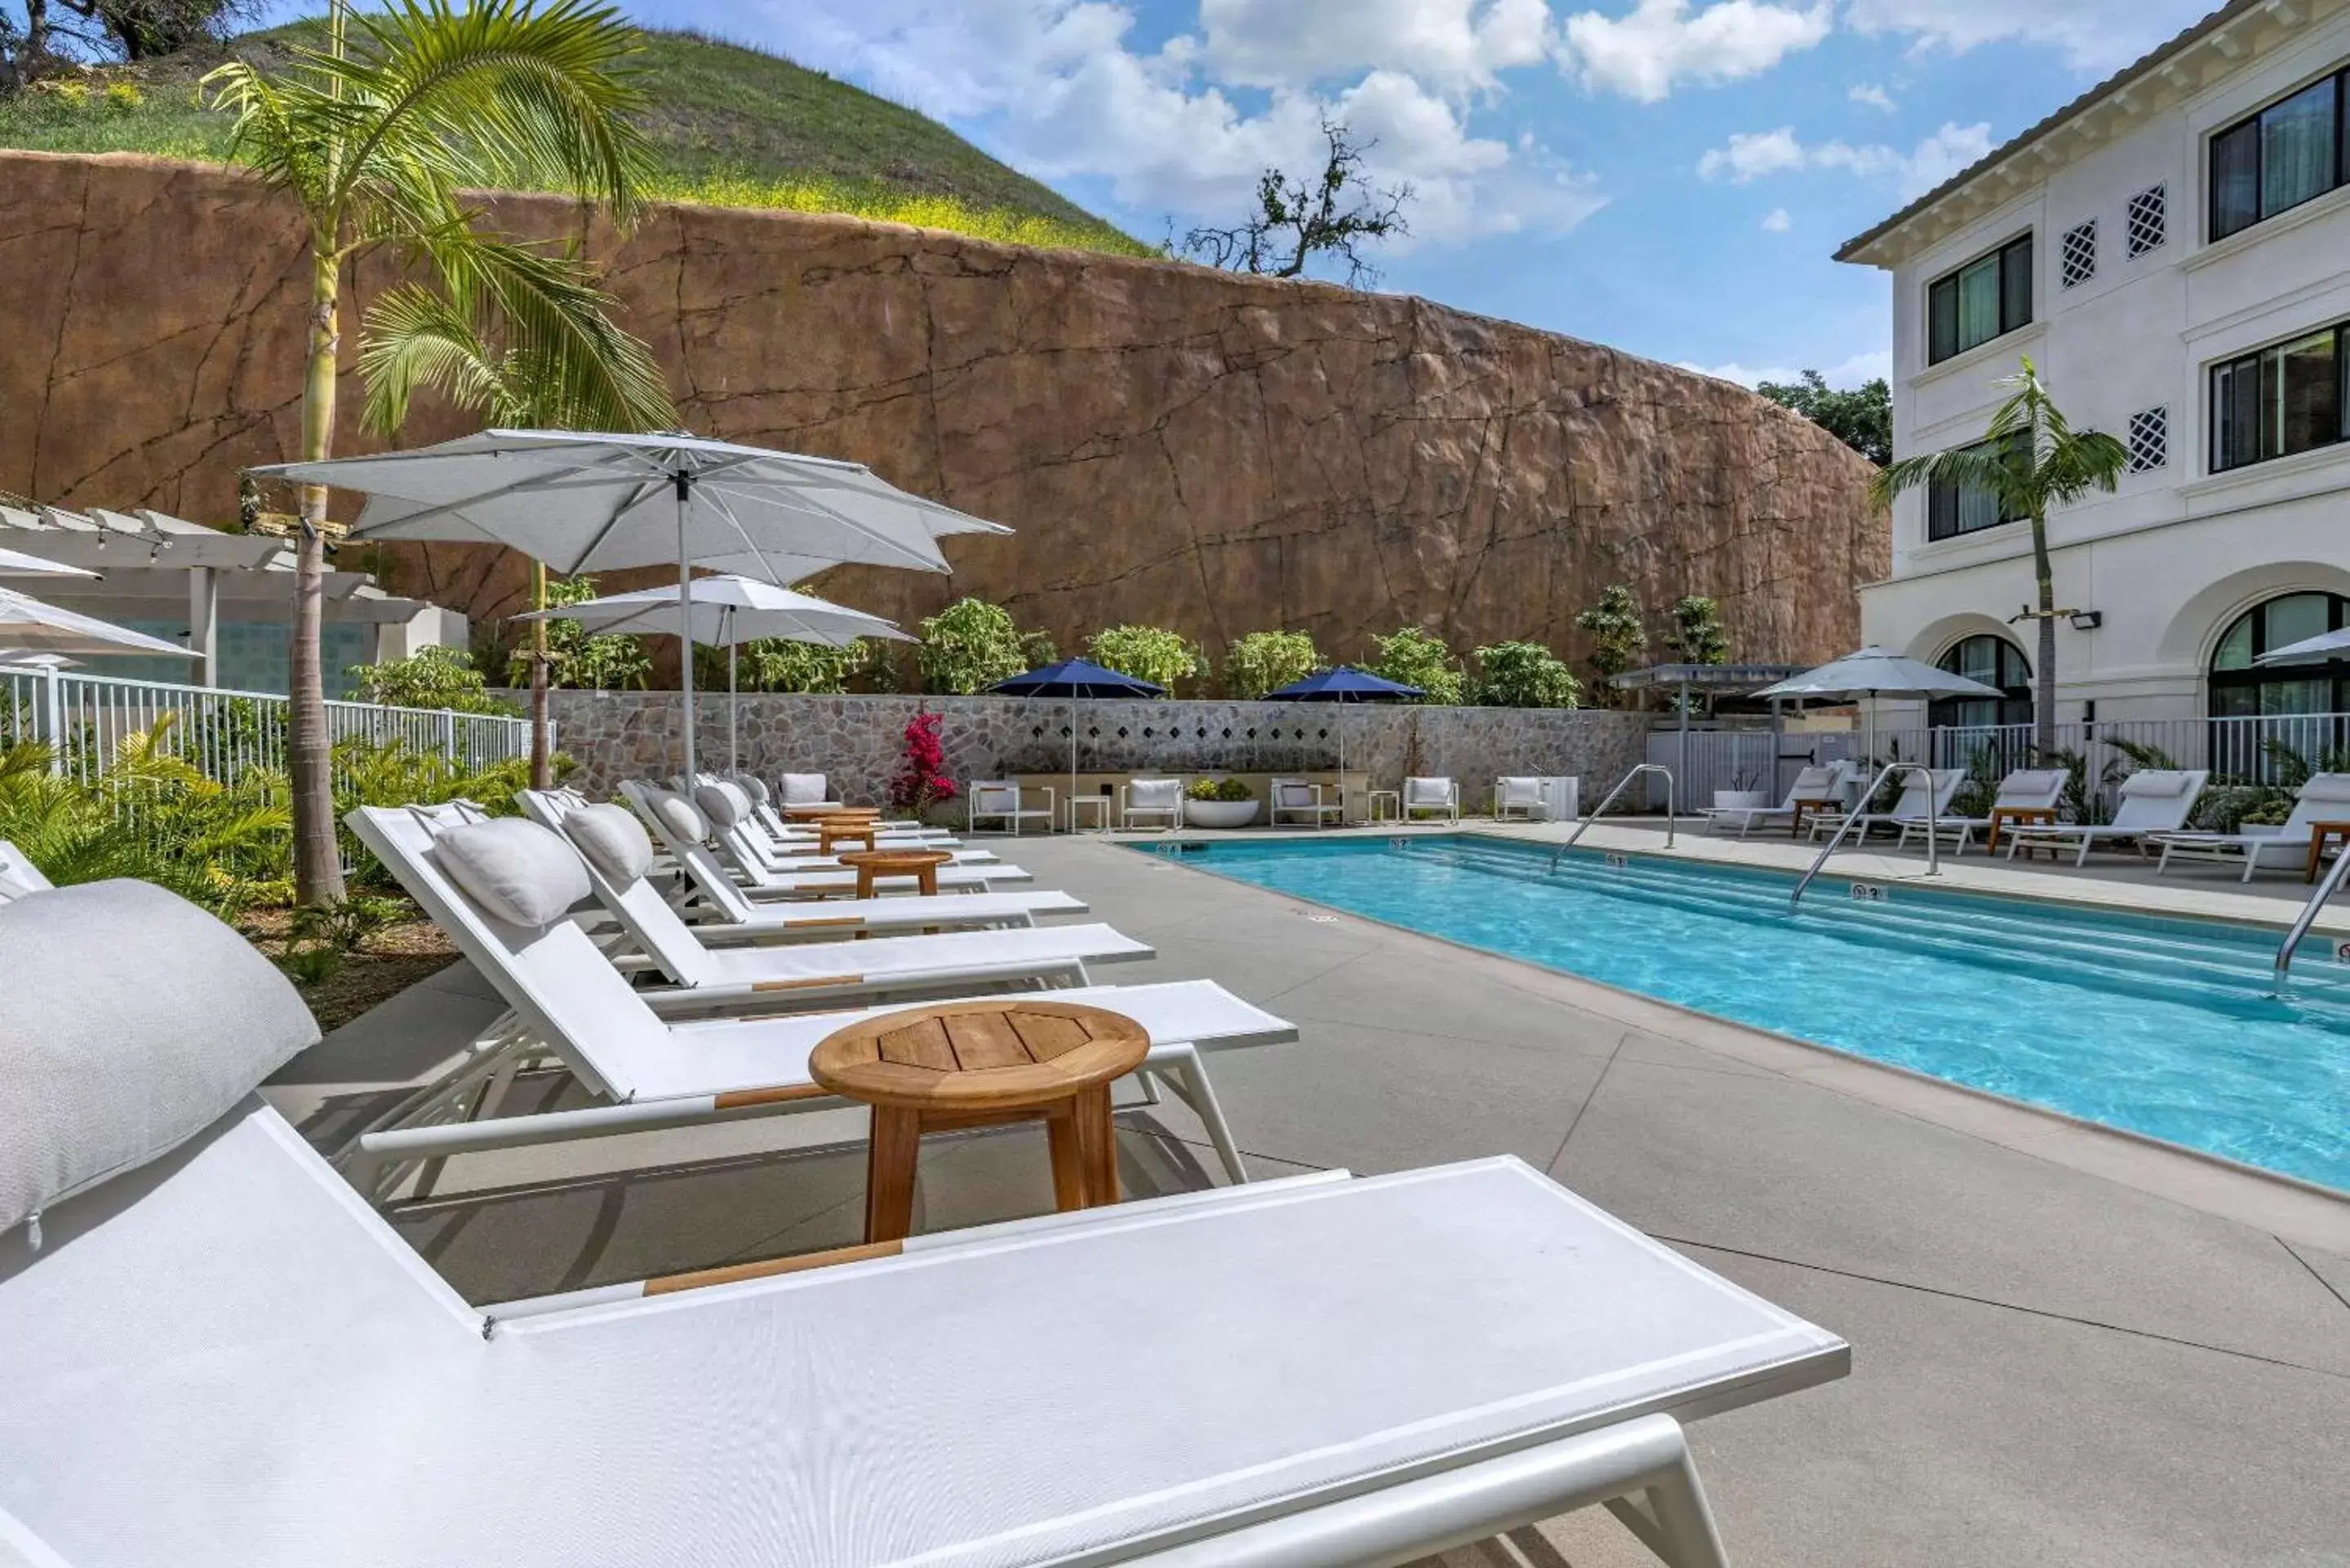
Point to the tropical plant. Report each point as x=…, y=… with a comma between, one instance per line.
x=1697, y=635
x=1524, y=675
x=606, y=662
x=1264, y=661
x=375, y=137
x=1861, y=417
x=776, y=664
x=1617, y=632
x=921, y=780
x=1150, y=653
x=1412, y=656
x=1234, y=790
x=971, y=644
x=2030, y=461
x=434, y=676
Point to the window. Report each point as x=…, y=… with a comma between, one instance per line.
x=2284, y=399
x=2242, y=688
x=2079, y=256
x=1952, y=509
x=2150, y=440
x=1988, y=297
x=1995, y=661
x=2279, y=158
x=2149, y=220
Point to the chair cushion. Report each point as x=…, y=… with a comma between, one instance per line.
x=134, y=1020
x=680, y=818
x=2030, y=783
x=1424, y=792
x=613, y=840
x=2155, y=783
x=803, y=789
x=2327, y=786
x=1153, y=795
x=1294, y=795
x=724, y=803
x=517, y=871
x=754, y=786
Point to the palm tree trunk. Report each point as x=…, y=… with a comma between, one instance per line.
x=542, y=765
x=318, y=860
x=2044, y=674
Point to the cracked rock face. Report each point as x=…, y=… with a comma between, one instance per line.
x=1213, y=453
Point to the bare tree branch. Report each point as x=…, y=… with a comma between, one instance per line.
x=1335, y=215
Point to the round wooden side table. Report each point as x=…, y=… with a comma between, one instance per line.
x=983, y=1063
x=922, y=864
x=834, y=830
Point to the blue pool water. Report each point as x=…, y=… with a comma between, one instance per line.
x=2166, y=1027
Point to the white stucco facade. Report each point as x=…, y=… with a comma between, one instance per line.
x=2181, y=551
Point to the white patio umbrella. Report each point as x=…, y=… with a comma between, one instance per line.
x=589, y=501
x=726, y=612
x=27, y=625
x=2309, y=649
x=17, y=564
x=1872, y=672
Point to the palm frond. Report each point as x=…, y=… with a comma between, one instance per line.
x=412, y=339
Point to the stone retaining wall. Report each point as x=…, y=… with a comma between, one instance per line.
x=859, y=740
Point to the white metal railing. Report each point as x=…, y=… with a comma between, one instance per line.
x=86, y=718
x=1859, y=814
x=1638, y=770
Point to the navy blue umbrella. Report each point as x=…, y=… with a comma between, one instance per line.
x=1073, y=678
x=1344, y=684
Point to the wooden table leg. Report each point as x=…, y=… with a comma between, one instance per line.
x=865, y=882
x=1068, y=1154
x=2316, y=856
x=1097, y=1144
x=889, y=1155
x=926, y=882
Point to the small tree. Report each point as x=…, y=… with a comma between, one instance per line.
x=1618, y=638
x=1524, y=675
x=921, y=780
x=1697, y=637
x=433, y=676
x=1150, y=653
x=1295, y=222
x=1416, y=657
x=971, y=644
x=1862, y=417
x=1264, y=661
x=2030, y=461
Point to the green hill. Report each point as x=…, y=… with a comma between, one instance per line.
x=730, y=125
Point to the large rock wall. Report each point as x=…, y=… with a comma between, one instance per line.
x=617, y=735
x=1212, y=453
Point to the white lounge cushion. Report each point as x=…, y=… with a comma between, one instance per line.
x=2327, y=786
x=1427, y=791
x=2030, y=783
x=752, y=786
x=2155, y=783
x=613, y=840
x=804, y=789
x=724, y=803
x=133, y=1021
x=1154, y=795
x=517, y=871
x=680, y=818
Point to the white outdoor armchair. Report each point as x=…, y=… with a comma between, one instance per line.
x=1440, y=795
x=1159, y=799
x=1002, y=800
x=1303, y=798
x=1520, y=795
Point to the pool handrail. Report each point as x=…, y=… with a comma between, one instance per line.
x=1601, y=809
x=2308, y=916
x=1933, y=855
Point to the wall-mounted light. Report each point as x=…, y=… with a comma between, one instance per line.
x=2087, y=620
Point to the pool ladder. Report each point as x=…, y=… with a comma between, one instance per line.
x=2308, y=915
x=1601, y=810
x=1933, y=833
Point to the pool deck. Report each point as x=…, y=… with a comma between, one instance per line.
x=2068, y=1347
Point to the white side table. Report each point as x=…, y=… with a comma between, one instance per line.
x=1371, y=805
x=1100, y=803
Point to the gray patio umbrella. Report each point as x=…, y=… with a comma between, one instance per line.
x=589, y=501
x=17, y=564
x=1877, y=672
x=2309, y=649
x=726, y=612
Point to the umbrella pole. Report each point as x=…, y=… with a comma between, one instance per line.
x=685, y=618
x=733, y=697
x=1073, y=767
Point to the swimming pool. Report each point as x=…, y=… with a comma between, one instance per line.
x=2165, y=1027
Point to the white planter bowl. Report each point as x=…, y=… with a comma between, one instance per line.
x=1219, y=813
x=1740, y=799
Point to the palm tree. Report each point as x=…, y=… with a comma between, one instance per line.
x=2030, y=461
x=375, y=137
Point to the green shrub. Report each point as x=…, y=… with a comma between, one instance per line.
x=971, y=644
x=1150, y=653
x=1524, y=675
x=1264, y=661
x=1220, y=789
x=1697, y=637
x=122, y=97
x=1617, y=634
x=774, y=664
x=433, y=676
x=1416, y=657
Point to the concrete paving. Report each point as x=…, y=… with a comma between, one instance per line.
x=2052, y=1364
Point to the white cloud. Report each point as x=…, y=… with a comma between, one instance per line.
x=1752, y=155
x=1872, y=95
x=1777, y=222
x=1643, y=55
x=1872, y=365
x=1291, y=43
x=2093, y=34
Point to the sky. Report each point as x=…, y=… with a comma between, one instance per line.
x=1670, y=177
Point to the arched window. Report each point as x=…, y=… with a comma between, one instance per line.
x=2242, y=688
x=1995, y=661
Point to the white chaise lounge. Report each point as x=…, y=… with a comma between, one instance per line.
x=568, y=1000
x=217, y=1356
x=2325, y=798
x=18, y=874
x=1918, y=803
x=1817, y=782
x=2153, y=801
x=2033, y=789
x=675, y=820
